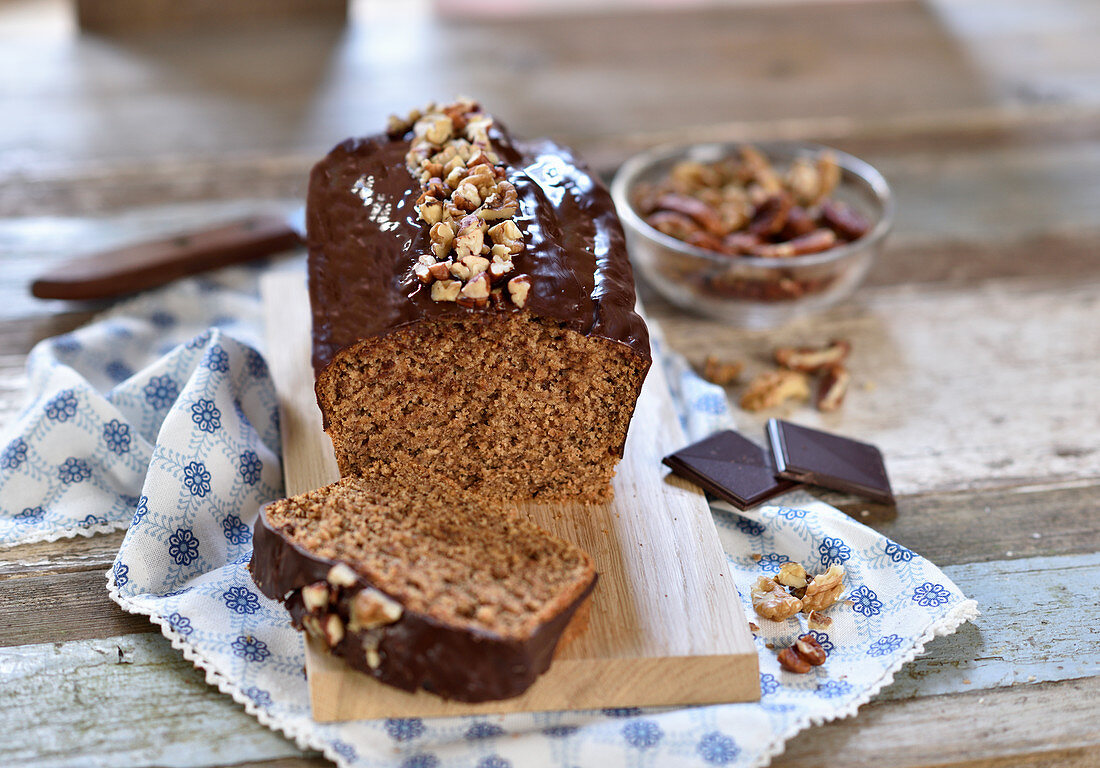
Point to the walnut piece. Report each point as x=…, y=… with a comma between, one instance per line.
x=328, y=628
x=446, y=290
x=815, y=620
x=341, y=575
x=823, y=589
x=371, y=609
x=832, y=388
x=721, y=372
x=518, y=288
x=813, y=359
x=772, y=601
x=773, y=388
x=792, y=575
x=315, y=596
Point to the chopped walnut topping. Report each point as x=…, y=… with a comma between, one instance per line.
x=441, y=235
x=477, y=287
x=470, y=238
x=446, y=290
x=774, y=388
x=772, y=601
x=463, y=187
x=823, y=589
x=518, y=288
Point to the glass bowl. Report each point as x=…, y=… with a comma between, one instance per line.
x=752, y=291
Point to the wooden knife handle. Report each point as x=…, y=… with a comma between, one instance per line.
x=147, y=265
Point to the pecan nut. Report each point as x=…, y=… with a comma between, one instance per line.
x=832, y=388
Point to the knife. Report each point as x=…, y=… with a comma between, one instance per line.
x=146, y=265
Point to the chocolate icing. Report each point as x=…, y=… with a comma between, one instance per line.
x=416, y=651
x=365, y=235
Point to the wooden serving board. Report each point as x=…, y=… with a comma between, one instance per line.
x=666, y=626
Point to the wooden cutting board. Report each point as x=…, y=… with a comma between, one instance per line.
x=666, y=626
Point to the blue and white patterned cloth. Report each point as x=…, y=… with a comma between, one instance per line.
x=160, y=419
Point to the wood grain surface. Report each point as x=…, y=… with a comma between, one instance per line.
x=665, y=624
x=984, y=115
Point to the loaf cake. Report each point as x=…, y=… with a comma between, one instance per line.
x=473, y=305
x=420, y=583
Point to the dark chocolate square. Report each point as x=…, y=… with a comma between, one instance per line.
x=831, y=461
x=731, y=467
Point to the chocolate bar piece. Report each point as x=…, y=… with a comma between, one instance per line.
x=830, y=461
x=730, y=467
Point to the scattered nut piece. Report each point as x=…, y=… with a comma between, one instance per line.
x=811, y=650
x=721, y=372
x=771, y=601
x=816, y=620
x=792, y=661
x=813, y=359
x=341, y=575
x=753, y=627
x=773, y=388
x=823, y=589
x=804, y=654
x=832, y=388
x=792, y=575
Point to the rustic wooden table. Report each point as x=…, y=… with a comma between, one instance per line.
x=977, y=337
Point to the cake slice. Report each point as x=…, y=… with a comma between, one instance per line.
x=473, y=304
x=421, y=584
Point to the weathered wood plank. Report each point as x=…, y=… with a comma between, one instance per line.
x=122, y=701
x=62, y=607
x=187, y=723
x=1029, y=627
x=1029, y=631
x=1022, y=724
x=979, y=388
x=971, y=527
x=69, y=555
x=602, y=74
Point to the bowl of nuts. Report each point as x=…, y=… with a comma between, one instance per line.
x=754, y=235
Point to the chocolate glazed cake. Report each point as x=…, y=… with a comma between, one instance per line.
x=422, y=584
x=473, y=306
